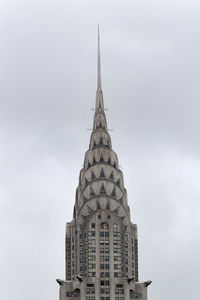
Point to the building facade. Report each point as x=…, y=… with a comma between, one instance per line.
x=101, y=242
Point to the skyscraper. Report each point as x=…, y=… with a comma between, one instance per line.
x=101, y=242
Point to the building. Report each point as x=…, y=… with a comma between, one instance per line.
x=101, y=242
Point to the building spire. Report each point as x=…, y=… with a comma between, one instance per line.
x=98, y=63
x=99, y=94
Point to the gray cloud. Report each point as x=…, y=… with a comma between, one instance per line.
x=150, y=66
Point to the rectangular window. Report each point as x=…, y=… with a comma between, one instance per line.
x=126, y=237
x=99, y=216
x=93, y=257
x=93, y=266
x=92, y=233
x=102, y=274
x=126, y=253
x=90, y=285
x=93, y=274
x=106, y=250
x=93, y=249
x=107, y=274
x=115, y=233
x=116, y=291
x=106, y=242
x=93, y=225
x=126, y=261
x=102, y=291
x=107, y=233
x=101, y=266
x=101, y=258
x=115, y=250
x=108, y=216
x=106, y=258
x=115, y=266
x=107, y=266
x=101, y=242
x=115, y=242
x=101, y=233
x=115, y=274
x=115, y=258
x=101, y=250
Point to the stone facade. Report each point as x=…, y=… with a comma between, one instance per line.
x=101, y=242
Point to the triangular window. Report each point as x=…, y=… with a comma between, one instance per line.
x=100, y=141
x=121, y=200
x=108, y=206
x=102, y=190
x=106, y=145
x=111, y=176
x=86, y=181
x=98, y=205
x=114, y=165
x=102, y=175
x=89, y=165
x=93, y=175
x=116, y=210
x=91, y=192
x=113, y=192
x=109, y=162
x=118, y=183
x=101, y=158
x=94, y=160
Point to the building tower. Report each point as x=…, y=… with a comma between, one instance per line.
x=101, y=242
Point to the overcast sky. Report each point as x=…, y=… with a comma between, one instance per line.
x=150, y=72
